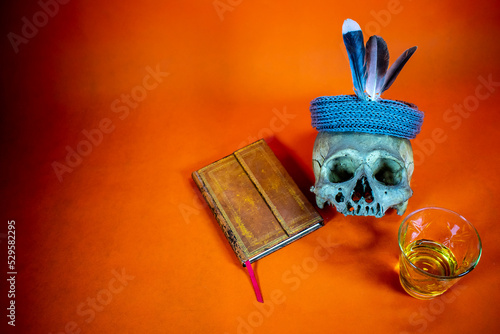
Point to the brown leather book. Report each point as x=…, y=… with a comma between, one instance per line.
x=255, y=201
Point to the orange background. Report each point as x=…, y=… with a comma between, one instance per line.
x=129, y=208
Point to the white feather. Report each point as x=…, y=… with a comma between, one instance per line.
x=350, y=25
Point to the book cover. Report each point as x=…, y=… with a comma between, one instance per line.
x=257, y=204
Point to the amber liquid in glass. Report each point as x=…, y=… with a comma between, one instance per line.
x=433, y=258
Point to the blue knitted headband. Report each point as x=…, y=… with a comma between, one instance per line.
x=366, y=112
x=344, y=113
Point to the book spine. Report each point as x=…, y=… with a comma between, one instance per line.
x=226, y=229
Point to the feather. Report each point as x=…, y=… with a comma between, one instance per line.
x=355, y=46
x=396, y=67
x=377, y=62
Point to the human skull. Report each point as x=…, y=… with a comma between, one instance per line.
x=362, y=174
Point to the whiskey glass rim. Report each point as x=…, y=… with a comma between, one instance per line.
x=471, y=265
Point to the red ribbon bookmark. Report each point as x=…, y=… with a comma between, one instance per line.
x=255, y=285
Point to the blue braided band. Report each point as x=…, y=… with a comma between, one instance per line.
x=345, y=113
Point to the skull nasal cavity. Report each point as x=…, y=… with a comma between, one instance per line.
x=362, y=190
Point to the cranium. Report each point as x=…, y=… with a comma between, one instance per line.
x=362, y=174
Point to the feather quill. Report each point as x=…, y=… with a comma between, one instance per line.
x=396, y=67
x=377, y=62
x=355, y=46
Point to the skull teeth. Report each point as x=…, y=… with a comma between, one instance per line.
x=361, y=209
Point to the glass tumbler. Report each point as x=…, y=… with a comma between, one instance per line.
x=438, y=247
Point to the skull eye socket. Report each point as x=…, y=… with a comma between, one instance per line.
x=341, y=169
x=388, y=172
